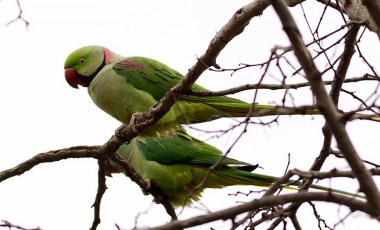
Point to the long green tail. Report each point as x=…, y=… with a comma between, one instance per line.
x=235, y=176
x=232, y=108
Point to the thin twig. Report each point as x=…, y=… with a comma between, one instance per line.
x=101, y=190
x=19, y=16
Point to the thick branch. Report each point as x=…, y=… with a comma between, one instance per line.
x=373, y=8
x=56, y=155
x=344, y=62
x=326, y=106
x=356, y=11
x=269, y=201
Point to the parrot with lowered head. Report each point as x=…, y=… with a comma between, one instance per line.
x=178, y=164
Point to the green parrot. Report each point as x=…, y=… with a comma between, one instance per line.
x=178, y=163
x=122, y=86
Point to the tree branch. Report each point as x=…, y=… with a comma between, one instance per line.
x=327, y=108
x=245, y=87
x=268, y=201
x=344, y=62
x=10, y=226
x=373, y=8
x=101, y=190
x=19, y=16
x=51, y=156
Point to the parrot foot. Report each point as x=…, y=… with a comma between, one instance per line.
x=135, y=119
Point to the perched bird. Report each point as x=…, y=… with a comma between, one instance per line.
x=179, y=163
x=122, y=86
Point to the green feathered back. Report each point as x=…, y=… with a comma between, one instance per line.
x=157, y=79
x=178, y=163
x=123, y=86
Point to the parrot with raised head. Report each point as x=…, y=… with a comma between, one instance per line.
x=122, y=86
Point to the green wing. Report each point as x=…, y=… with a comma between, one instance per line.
x=181, y=148
x=179, y=163
x=148, y=75
x=153, y=76
x=157, y=78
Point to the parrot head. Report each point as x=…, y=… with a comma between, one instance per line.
x=83, y=65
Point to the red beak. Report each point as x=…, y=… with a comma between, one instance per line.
x=72, y=77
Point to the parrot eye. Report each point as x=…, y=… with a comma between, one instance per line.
x=81, y=61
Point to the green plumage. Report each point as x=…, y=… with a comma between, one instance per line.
x=178, y=163
x=122, y=86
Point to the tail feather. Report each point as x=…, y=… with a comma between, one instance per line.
x=231, y=107
x=234, y=176
x=241, y=109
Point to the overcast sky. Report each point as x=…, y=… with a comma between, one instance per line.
x=40, y=112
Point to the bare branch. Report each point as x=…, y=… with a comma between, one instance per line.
x=373, y=8
x=330, y=4
x=19, y=16
x=10, y=226
x=356, y=11
x=245, y=87
x=326, y=106
x=344, y=63
x=319, y=218
x=268, y=201
x=101, y=190
x=51, y=156
x=334, y=173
